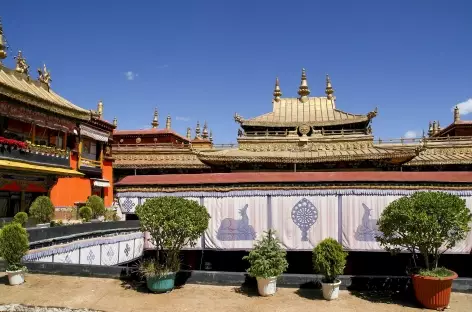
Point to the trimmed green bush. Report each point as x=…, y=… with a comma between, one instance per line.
x=329, y=259
x=21, y=218
x=428, y=223
x=42, y=210
x=98, y=207
x=85, y=213
x=13, y=245
x=267, y=259
x=172, y=223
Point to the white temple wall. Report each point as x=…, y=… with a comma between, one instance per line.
x=301, y=218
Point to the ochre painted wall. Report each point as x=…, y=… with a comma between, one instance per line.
x=107, y=172
x=68, y=191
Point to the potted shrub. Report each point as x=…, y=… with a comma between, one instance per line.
x=85, y=213
x=267, y=262
x=13, y=247
x=329, y=259
x=98, y=207
x=21, y=218
x=42, y=211
x=428, y=223
x=172, y=223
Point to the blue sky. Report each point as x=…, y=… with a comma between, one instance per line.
x=206, y=60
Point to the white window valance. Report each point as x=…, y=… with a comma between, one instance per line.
x=101, y=183
x=95, y=134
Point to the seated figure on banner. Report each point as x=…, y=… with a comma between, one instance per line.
x=236, y=229
x=368, y=229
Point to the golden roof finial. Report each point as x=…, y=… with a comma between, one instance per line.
x=100, y=109
x=155, y=121
x=3, y=47
x=277, y=92
x=45, y=76
x=205, y=130
x=303, y=90
x=457, y=115
x=430, y=129
x=211, y=136
x=168, y=122
x=115, y=122
x=21, y=65
x=189, y=133
x=197, y=130
x=329, y=88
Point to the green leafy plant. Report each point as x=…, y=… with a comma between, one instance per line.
x=172, y=223
x=21, y=218
x=98, y=207
x=428, y=223
x=42, y=209
x=329, y=259
x=85, y=213
x=267, y=258
x=13, y=245
x=111, y=215
x=56, y=223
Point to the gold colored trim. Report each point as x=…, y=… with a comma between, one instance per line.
x=13, y=165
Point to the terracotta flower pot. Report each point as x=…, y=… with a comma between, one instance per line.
x=433, y=292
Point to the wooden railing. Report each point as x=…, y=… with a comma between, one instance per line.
x=86, y=162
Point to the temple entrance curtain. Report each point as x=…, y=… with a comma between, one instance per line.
x=236, y=222
x=302, y=222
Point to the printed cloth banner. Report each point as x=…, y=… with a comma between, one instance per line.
x=302, y=222
x=360, y=215
x=235, y=221
x=359, y=220
x=147, y=238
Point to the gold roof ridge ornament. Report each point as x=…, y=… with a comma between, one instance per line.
x=45, y=76
x=277, y=92
x=100, y=109
x=189, y=133
x=21, y=65
x=205, y=130
x=115, y=122
x=168, y=122
x=303, y=90
x=211, y=136
x=3, y=46
x=155, y=121
x=329, y=89
x=197, y=130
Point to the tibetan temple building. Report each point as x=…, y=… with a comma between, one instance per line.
x=48, y=145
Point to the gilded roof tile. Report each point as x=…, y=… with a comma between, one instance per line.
x=316, y=111
x=27, y=90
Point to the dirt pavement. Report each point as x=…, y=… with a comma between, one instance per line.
x=116, y=296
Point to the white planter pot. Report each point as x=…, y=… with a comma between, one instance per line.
x=266, y=286
x=16, y=277
x=330, y=290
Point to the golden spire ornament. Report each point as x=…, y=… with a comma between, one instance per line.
x=45, y=76
x=197, y=130
x=155, y=122
x=277, y=92
x=21, y=65
x=3, y=47
x=168, y=121
x=205, y=130
x=100, y=109
x=189, y=133
x=303, y=90
x=457, y=115
x=115, y=122
x=329, y=89
x=211, y=136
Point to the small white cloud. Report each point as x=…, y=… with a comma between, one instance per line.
x=411, y=134
x=130, y=75
x=464, y=107
x=182, y=118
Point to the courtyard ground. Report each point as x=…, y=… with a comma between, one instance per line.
x=117, y=296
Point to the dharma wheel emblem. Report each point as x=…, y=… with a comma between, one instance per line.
x=304, y=215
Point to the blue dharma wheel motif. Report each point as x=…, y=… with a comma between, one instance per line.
x=304, y=215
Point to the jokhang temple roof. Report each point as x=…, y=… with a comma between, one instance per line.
x=315, y=111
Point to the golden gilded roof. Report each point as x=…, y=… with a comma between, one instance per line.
x=319, y=111
x=300, y=156
x=22, y=88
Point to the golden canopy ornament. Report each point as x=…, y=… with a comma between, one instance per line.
x=44, y=76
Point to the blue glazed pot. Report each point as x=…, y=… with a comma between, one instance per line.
x=161, y=284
